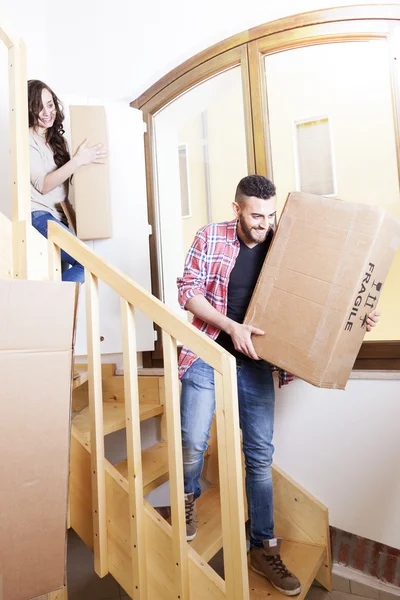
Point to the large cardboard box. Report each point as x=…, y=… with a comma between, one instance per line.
x=323, y=274
x=91, y=183
x=36, y=337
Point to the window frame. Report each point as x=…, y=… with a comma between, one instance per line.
x=249, y=49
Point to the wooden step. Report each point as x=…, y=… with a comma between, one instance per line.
x=150, y=372
x=79, y=378
x=302, y=559
x=150, y=382
x=209, y=529
x=208, y=540
x=114, y=417
x=154, y=465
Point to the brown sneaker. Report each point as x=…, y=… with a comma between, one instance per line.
x=267, y=561
x=190, y=510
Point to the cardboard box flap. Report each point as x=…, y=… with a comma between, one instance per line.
x=31, y=313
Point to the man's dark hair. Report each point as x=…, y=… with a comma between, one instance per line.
x=254, y=185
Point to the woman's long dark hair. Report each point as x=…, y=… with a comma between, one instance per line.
x=54, y=134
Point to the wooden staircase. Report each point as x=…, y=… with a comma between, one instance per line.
x=148, y=556
x=300, y=519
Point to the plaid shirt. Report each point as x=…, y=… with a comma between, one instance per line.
x=208, y=266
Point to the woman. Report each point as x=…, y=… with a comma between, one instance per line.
x=51, y=166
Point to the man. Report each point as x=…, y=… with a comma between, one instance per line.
x=221, y=271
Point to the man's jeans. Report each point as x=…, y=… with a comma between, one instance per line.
x=40, y=219
x=256, y=413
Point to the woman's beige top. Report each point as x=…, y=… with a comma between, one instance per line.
x=41, y=164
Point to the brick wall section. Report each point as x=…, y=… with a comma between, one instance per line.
x=364, y=555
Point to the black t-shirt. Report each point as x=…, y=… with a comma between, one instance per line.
x=241, y=285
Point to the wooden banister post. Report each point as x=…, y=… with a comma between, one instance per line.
x=96, y=426
x=175, y=462
x=54, y=258
x=134, y=451
x=19, y=157
x=231, y=481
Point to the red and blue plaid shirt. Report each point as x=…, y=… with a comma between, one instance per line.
x=208, y=266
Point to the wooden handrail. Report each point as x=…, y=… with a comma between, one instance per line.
x=7, y=36
x=134, y=297
x=140, y=298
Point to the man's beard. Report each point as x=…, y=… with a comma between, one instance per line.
x=248, y=232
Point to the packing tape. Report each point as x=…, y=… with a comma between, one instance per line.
x=322, y=331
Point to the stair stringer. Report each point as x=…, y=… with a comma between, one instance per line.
x=205, y=584
x=5, y=247
x=80, y=488
x=300, y=517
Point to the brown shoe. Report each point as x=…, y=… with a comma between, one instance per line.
x=190, y=510
x=267, y=561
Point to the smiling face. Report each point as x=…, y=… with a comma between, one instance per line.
x=256, y=218
x=47, y=115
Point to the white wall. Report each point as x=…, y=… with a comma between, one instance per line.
x=169, y=34
x=344, y=447
x=82, y=48
x=83, y=53
x=128, y=248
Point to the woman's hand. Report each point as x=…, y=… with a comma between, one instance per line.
x=83, y=156
x=90, y=155
x=372, y=319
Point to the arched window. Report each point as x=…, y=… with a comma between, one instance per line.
x=311, y=101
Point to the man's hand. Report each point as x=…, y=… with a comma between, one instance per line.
x=241, y=338
x=240, y=333
x=372, y=319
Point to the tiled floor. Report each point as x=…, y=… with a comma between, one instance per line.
x=84, y=584
x=318, y=593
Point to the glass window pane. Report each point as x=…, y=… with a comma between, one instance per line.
x=200, y=156
x=349, y=85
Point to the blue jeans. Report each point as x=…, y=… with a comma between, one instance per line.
x=40, y=218
x=256, y=413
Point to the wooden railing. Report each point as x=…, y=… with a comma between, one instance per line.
x=134, y=297
x=24, y=263
x=19, y=151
